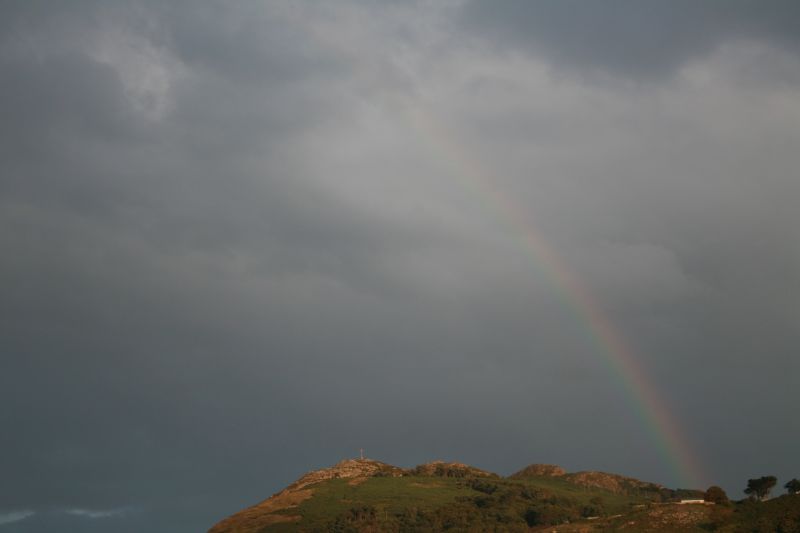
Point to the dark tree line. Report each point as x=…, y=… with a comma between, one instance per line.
x=759, y=488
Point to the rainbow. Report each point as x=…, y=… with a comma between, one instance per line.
x=623, y=365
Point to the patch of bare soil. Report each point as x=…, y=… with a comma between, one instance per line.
x=261, y=515
x=671, y=517
x=667, y=517
x=255, y=518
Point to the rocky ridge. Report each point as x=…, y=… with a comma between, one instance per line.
x=539, y=470
x=601, y=480
x=279, y=507
x=256, y=517
x=445, y=469
x=348, y=469
x=610, y=482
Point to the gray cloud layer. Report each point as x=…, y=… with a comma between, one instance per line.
x=629, y=37
x=231, y=253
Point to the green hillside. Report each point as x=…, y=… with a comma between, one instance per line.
x=369, y=496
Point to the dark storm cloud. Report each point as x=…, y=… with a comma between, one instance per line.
x=629, y=37
x=229, y=257
x=175, y=292
x=106, y=215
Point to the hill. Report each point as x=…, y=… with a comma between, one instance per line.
x=364, y=495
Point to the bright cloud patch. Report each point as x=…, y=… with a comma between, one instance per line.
x=94, y=513
x=14, y=516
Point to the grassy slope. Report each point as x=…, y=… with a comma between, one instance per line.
x=781, y=515
x=778, y=515
x=419, y=503
x=431, y=503
x=385, y=494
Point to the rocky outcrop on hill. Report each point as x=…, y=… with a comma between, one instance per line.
x=443, y=469
x=540, y=470
x=257, y=517
x=349, y=468
x=611, y=482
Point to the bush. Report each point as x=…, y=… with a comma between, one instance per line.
x=482, y=486
x=716, y=495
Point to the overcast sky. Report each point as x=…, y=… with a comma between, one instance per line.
x=242, y=240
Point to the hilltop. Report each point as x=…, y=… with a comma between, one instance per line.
x=593, y=479
x=365, y=495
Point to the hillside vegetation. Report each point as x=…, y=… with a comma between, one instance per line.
x=370, y=496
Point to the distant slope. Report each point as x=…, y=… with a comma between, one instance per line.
x=370, y=496
x=256, y=518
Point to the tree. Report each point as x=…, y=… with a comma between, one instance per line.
x=715, y=494
x=533, y=518
x=759, y=488
x=793, y=486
